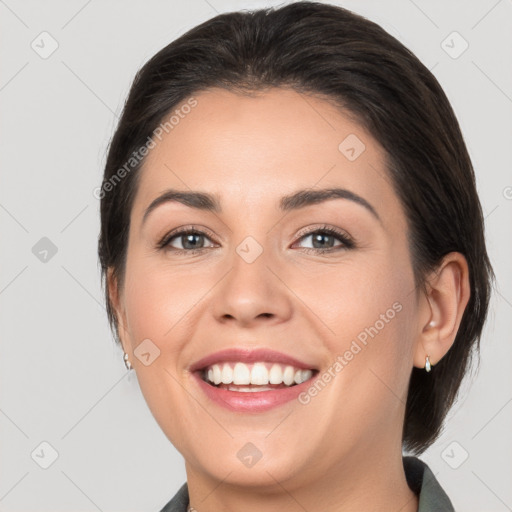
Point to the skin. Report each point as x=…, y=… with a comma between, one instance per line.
x=325, y=455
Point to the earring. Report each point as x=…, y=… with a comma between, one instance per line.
x=127, y=362
x=428, y=366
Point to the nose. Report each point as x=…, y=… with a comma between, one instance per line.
x=253, y=292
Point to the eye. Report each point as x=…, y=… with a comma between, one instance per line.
x=324, y=237
x=190, y=239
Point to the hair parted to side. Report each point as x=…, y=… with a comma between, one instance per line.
x=352, y=62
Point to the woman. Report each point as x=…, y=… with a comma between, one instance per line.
x=291, y=376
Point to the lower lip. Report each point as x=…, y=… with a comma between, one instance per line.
x=251, y=401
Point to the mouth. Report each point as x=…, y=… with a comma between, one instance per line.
x=252, y=387
x=259, y=376
x=242, y=379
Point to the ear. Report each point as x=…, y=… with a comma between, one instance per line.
x=446, y=298
x=117, y=304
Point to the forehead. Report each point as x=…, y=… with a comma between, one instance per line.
x=251, y=150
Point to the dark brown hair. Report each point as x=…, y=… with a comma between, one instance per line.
x=328, y=51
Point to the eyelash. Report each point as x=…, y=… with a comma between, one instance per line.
x=347, y=242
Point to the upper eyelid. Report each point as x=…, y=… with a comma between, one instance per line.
x=311, y=231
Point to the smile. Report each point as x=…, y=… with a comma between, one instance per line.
x=256, y=388
x=247, y=379
x=258, y=376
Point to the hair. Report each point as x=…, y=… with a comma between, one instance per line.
x=355, y=64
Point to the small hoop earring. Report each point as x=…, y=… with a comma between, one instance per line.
x=127, y=362
x=428, y=366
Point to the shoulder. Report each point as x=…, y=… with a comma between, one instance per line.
x=422, y=481
x=179, y=502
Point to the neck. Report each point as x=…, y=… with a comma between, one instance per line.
x=361, y=483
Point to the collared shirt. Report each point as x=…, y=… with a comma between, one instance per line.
x=419, y=476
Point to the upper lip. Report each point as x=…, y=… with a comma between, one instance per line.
x=246, y=355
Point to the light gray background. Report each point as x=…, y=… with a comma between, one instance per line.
x=62, y=380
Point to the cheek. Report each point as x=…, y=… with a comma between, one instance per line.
x=158, y=304
x=362, y=299
x=158, y=300
x=371, y=309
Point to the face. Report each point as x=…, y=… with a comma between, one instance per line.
x=328, y=283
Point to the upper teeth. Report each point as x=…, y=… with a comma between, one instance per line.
x=257, y=374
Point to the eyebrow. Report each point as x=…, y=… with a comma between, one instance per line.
x=299, y=199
